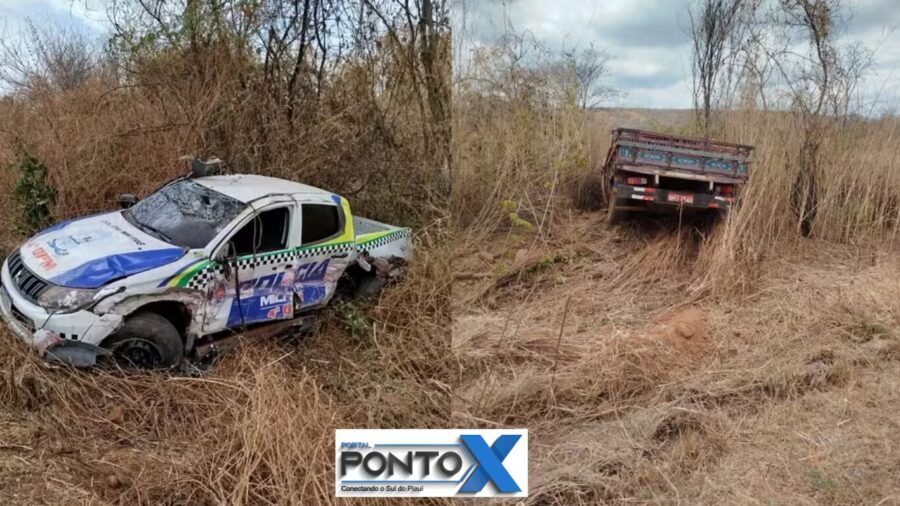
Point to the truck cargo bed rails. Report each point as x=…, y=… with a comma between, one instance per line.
x=656, y=151
x=649, y=171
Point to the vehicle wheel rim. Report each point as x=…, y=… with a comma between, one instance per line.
x=138, y=353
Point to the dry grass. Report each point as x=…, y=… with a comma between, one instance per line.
x=257, y=429
x=858, y=193
x=742, y=364
x=780, y=394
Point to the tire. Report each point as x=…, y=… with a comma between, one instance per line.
x=369, y=287
x=613, y=215
x=146, y=341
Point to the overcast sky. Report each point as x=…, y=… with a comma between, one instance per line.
x=648, y=42
x=646, y=38
x=86, y=15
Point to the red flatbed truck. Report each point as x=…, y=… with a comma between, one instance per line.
x=662, y=173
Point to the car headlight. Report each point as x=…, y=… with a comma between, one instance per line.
x=61, y=298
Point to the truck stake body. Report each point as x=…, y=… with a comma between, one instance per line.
x=648, y=171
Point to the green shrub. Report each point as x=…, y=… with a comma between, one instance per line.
x=34, y=196
x=354, y=319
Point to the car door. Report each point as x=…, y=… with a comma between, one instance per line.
x=255, y=282
x=323, y=254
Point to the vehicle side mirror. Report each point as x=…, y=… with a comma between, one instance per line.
x=227, y=252
x=127, y=200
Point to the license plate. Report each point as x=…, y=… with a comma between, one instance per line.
x=681, y=198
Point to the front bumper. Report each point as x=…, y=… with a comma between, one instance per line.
x=672, y=197
x=82, y=330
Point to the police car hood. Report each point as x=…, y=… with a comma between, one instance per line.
x=93, y=251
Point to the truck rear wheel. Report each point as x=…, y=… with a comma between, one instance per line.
x=369, y=287
x=613, y=214
x=146, y=341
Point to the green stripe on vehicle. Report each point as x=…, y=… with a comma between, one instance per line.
x=185, y=278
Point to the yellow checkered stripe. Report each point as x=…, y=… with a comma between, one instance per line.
x=377, y=239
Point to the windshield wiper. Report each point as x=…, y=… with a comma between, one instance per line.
x=149, y=229
x=158, y=233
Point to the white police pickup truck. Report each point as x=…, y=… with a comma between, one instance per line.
x=151, y=284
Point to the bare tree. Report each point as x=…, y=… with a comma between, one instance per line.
x=714, y=31
x=590, y=70
x=52, y=57
x=420, y=31
x=433, y=23
x=782, y=47
x=820, y=82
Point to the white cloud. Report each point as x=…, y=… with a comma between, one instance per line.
x=88, y=15
x=649, y=43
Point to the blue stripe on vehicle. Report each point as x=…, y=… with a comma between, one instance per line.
x=96, y=273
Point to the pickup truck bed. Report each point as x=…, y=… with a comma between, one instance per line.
x=649, y=171
x=380, y=239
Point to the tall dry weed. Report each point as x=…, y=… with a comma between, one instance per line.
x=258, y=427
x=535, y=155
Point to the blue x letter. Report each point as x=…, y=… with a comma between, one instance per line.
x=490, y=466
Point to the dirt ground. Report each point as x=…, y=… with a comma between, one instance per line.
x=639, y=385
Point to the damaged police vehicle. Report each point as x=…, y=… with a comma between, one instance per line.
x=175, y=275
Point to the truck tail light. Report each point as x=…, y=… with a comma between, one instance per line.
x=636, y=180
x=725, y=189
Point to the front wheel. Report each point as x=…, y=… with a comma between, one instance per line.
x=146, y=341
